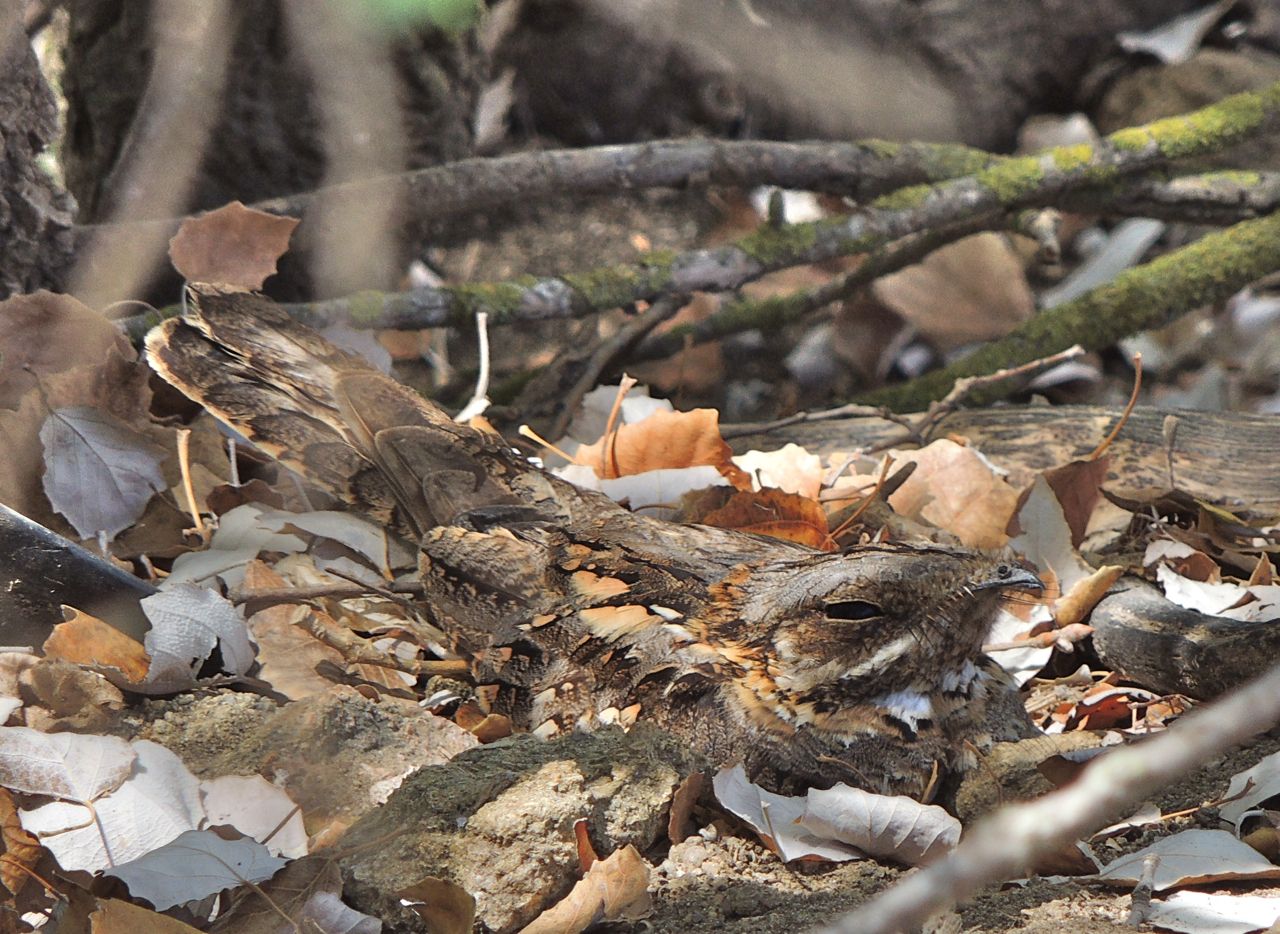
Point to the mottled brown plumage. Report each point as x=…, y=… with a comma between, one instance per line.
x=862, y=666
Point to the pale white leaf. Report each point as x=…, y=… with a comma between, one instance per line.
x=647, y=491
x=1205, y=913
x=187, y=622
x=1201, y=596
x=1046, y=537
x=791, y=469
x=1022, y=663
x=881, y=825
x=325, y=911
x=195, y=865
x=776, y=817
x=1193, y=856
x=70, y=766
x=384, y=551
x=158, y=801
x=99, y=472
x=1165, y=548
x=237, y=541
x=1266, y=783
x=255, y=807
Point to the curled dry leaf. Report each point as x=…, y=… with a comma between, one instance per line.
x=897, y=827
x=614, y=889
x=769, y=512
x=1083, y=596
x=233, y=245
x=87, y=640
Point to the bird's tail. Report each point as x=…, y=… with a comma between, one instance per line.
x=333, y=417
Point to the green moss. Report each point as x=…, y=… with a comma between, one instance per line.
x=614, y=286
x=1067, y=158
x=1014, y=180
x=773, y=246
x=881, y=148
x=365, y=308
x=1133, y=139
x=656, y=258
x=903, y=199
x=946, y=161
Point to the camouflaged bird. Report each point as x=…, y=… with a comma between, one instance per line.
x=862, y=666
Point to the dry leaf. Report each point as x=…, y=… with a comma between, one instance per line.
x=444, y=907
x=1208, y=913
x=1084, y=595
x=614, y=889
x=790, y=468
x=1078, y=487
x=45, y=333
x=67, y=766
x=770, y=512
x=87, y=640
x=663, y=440
x=21, y=849
x=99, y=472
x=954, y=489
x=971, y=290
x=1265, y=777
x=776, y=818
x=288, y=653
x=193, y=866
x=258, y=809
x=120, y=917
x=1191, y=857
x=234, y=245
x=881, y=825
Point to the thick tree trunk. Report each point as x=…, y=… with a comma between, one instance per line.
x=35, y=213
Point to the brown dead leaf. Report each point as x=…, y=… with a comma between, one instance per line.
x=493, y=727
x=445, y=907
x=769, y=512
x=614, y=889
x=222, y=499
x=21, y=849
x=64, y=696
x=46, y=333
x=664, y=440
x=288, y=653
x=1078, y=486
x=694, y=370
x=682, y=802
x=118, y=917
x=971, y=290
x=233, y=245
x=953, y=489
x=87, y=640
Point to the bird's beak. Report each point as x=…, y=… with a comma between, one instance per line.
x=1008, y=576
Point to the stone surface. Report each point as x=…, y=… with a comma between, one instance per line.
x=499, y=821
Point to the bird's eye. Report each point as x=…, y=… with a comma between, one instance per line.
x=853, y=610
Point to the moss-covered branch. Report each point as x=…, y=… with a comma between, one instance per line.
x=1210, y=270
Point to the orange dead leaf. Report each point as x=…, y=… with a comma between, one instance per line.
x=614, y=889
x=233, y=245
x=664, y=440
x=21, y=849
x=87, y=640
x=770, y=512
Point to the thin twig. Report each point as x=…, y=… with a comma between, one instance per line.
x=480, y=398
x=1003, y=845
x=609, y=352
x=1128, y=410
x=743, y=429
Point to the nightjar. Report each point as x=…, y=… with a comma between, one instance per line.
x=862, y=666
